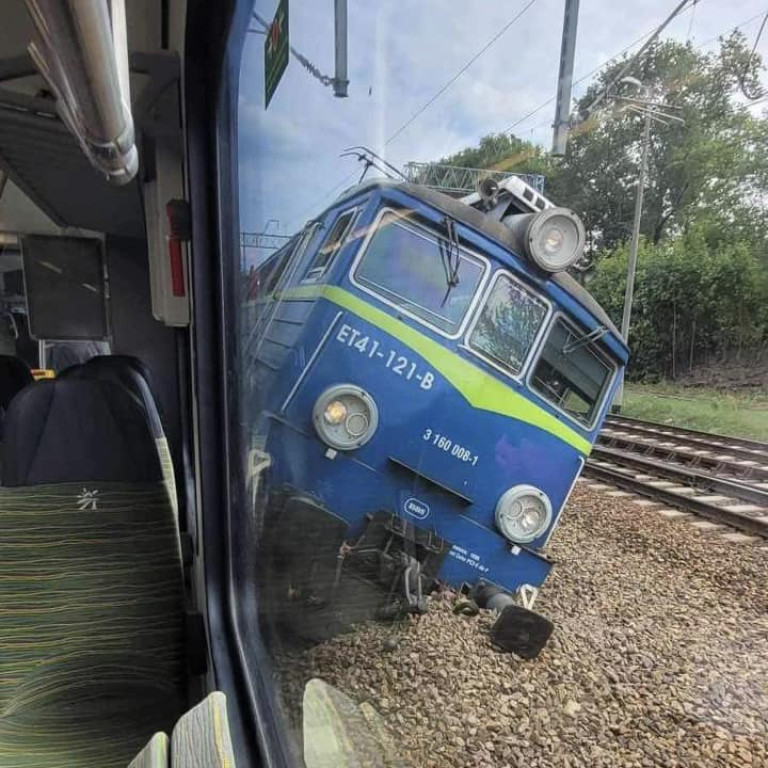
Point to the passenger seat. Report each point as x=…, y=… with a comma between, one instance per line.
x=200, y=739
x=131, y=373
x=92, y=623
x=14, y=376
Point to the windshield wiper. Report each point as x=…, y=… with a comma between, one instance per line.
x=584, y=339
x=450, y=255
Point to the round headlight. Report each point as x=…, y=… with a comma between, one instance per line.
x=335, y=412
x=555, y=239
x=523, y=513
x=345, y=417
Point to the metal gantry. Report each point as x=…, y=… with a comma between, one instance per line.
x=269, y=241
x=458, y=180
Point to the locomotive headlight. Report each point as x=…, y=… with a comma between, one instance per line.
x=335, y=412
x=523, y=513
x=555, y=239
x=345, y=417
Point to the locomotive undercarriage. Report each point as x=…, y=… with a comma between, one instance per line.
x=320, y=581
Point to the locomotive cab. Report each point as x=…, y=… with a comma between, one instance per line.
x=423, y=390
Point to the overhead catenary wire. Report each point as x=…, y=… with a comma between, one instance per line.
x=627, y=68
x=446, y=86
x=300, y=57
x=423, y=108
x=742, y=79
x=600, y=66
x=344, y=181
x=693, y=18
x=608, y=61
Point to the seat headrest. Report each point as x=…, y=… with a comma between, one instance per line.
x=120, y=363
x=127, y=371
x=77, y=429
x=14, y=376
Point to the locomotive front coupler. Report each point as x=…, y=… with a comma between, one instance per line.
x=519, y=629
x=401, y=559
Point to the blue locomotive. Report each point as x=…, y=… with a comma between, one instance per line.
x=425, y=382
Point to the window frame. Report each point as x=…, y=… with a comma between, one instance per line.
x=603, y=355
x=284, y=252
x=304, y=238
x=428, y=232
x=308, y=278
x=520, y=376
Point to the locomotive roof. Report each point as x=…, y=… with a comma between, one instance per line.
x=493, y=229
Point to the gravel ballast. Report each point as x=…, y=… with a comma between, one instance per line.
x=660, y=657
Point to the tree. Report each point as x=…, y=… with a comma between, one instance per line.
x=715, y=162
x=501, y=152
x=698, y=299
x=702, y=280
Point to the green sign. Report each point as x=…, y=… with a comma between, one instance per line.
x=276, y=51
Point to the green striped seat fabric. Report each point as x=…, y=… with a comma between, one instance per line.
x=155, y=755
x=200, y=739
x=91, y=623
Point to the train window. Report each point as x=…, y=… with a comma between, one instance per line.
x=407, y=266
x=294, y=261
x=291, y=256
x=265, y=277
x=572, y=373
x=507, y=326
x=333, y=242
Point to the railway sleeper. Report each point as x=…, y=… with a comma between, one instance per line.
x=723, y=515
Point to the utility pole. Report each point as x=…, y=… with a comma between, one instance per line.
x=632, y=266
x=341, y=81
x=618, y=400
x=565, y=78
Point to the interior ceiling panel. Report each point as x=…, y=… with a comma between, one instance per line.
x=40, y=155
x=45, y=161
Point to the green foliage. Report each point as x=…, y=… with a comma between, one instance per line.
x=702, y=283
x=698, y=298
x=502, y=153
x=715, y=162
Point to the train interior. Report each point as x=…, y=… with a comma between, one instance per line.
x=105, y=648
x=130, y=627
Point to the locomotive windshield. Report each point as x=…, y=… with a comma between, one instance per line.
x=572, y=375
x=508, y=324
x=404, y=265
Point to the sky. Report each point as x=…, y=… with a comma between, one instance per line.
x=401, y=53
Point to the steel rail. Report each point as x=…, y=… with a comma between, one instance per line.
x=715, y=444
x=746, y=472
x=706, y=439
x=738, y=520
x=702, y=481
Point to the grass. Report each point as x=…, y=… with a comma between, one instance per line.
x=740, y=415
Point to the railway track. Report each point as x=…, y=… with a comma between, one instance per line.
x=721, y=479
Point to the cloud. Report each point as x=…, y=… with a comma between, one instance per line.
x=400, y=53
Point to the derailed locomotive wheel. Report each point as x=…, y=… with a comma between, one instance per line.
x=521, y=631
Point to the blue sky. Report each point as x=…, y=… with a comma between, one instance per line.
x=401, y=52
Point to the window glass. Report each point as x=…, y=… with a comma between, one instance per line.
x=260, y=278
x=508, y=324
x=420, y=272
x=289, y=257
x=571, y=373
x=335, y=239
x=412, y=406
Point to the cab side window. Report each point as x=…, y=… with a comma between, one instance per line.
x=259, y=278
x=319, y=265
